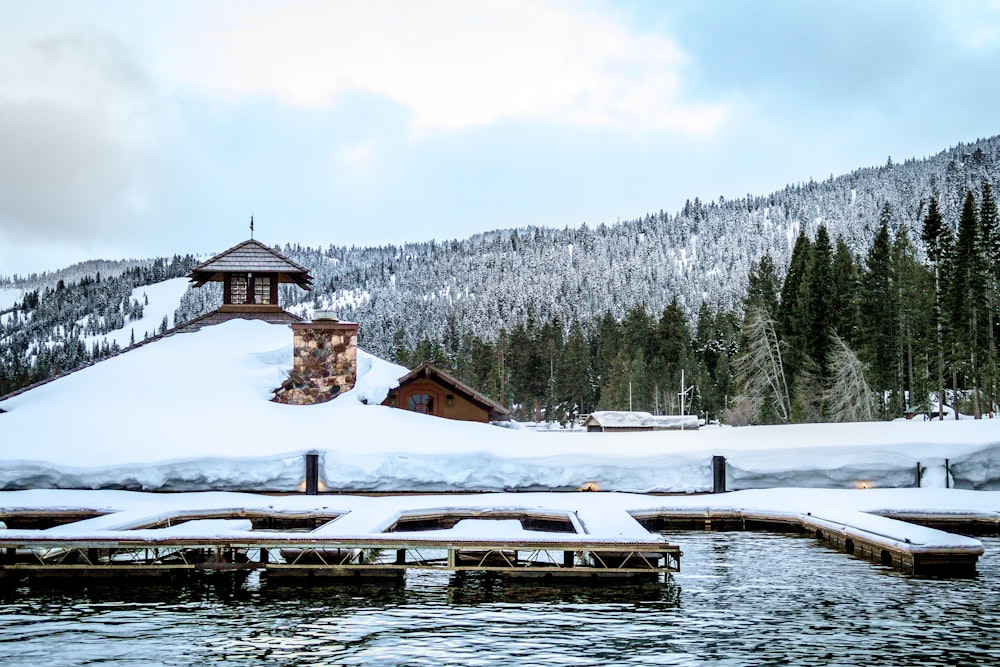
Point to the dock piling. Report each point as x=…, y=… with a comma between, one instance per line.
x=718, y=474
x=312, y=473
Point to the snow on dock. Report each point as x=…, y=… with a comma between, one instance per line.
x=532, y=534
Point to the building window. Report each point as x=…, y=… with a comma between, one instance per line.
x=422, y=403
x=262, y=289
x=237, y=288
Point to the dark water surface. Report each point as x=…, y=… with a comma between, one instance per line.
x=742, y=599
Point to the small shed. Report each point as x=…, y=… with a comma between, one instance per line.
x=623, y=421
x=429, y=390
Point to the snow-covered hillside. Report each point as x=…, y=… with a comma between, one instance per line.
x=9, y=296
x=159, y=300
x=192, y=411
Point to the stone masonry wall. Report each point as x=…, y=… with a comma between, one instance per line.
x=325, y=363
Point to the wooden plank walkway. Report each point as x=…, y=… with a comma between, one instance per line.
x=381, y=543
x=333, y=557
x=567, y=536
x=880, y=539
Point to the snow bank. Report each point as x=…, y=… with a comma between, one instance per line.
x=193, y=411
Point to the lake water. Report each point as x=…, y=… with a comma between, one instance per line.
x=742, y=599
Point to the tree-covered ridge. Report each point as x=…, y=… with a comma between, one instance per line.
x=42, y=334
x=72, y=273
x=702, y=253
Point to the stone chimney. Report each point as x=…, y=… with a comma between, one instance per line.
x=325, y=361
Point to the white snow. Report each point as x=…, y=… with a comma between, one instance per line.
x=9, y=296
x=635, y=419
x=336, y=302
x=599, y=516
x=193, y=412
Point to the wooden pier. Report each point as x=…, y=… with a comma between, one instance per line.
x=870, y=536
x=335, y=558
x=573, y=537
x=333, y=544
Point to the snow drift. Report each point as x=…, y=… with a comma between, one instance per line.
x=193, y=412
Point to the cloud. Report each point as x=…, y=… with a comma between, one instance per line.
x=74, y=126
x=359, y=156
x=452, y=64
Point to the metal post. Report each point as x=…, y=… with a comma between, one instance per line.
x=947, y=474
x=918, y=474
x=718, y=474
x=312, y=473
x=682, y=399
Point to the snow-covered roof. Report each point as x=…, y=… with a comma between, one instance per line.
x=432, y=372
x=253, y=257
x=623, y=419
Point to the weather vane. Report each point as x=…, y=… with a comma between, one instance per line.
x=251, y=226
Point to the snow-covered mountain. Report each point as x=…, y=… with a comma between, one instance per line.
x=701, y=253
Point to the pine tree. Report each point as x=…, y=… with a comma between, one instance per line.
x=816, y=299
x=989, y=225
x=791, y=324
x=615, y=390
x=672, y=352
x=914, y=289
x=966, y=307
x=605, y=346
x=937, y=239
x=763, y=286
x=878, y=316
x=844, y=292
x=575, y=386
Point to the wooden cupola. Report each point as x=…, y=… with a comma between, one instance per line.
x=250, y=273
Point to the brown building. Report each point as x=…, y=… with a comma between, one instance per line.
x=429, y=390
x=250, y=274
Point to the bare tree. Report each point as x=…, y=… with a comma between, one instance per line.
x=848, y=396
x=759, y=369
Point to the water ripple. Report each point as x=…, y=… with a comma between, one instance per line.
x=742, y=599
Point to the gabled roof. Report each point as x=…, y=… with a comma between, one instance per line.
x=622, y=419
x=431, y=372
x=253, y=257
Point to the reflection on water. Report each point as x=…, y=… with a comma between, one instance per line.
x=742, y=598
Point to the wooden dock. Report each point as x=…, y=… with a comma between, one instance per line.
x=870, y=536
x=333, y=544
x=586, y=537
x=334, y=557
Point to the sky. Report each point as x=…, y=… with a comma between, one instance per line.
x=141, y=129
